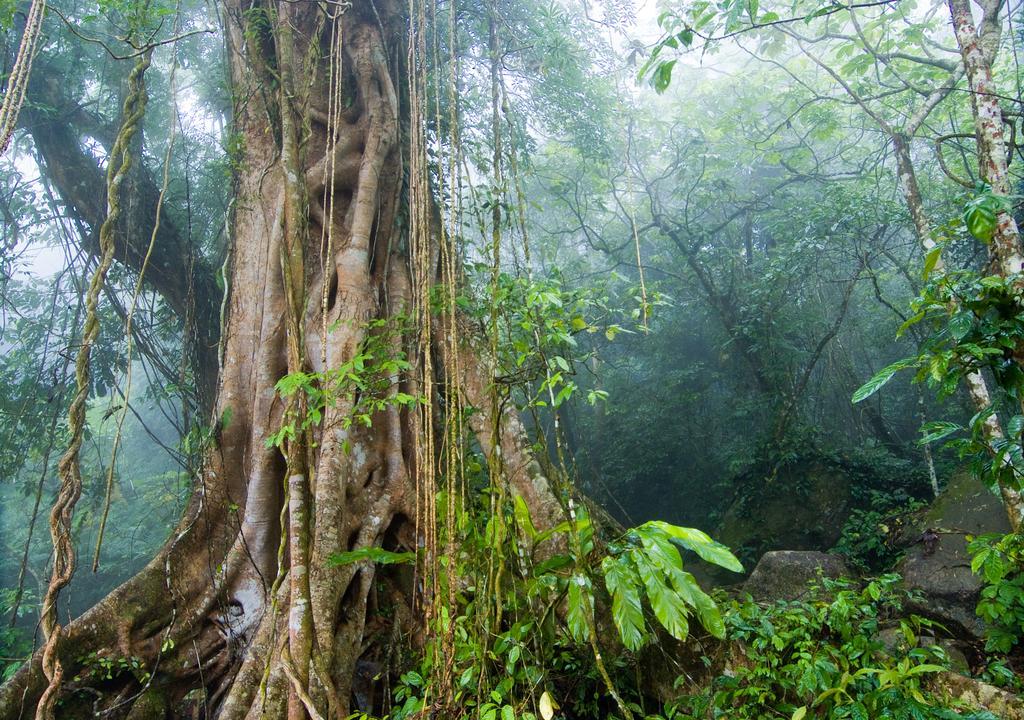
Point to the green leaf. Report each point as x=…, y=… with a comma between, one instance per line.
x=666, y=558
x=667, y=605
x=707, y=611
x=377, y=555
x=522, y=514
x=581, y=608
x=699, y=542
x=980, y=217
x=582, y=524
x=881, y=378
x=936, y=431
x=931, y=260
x=662, y=78
x=799, y=713
x=623, y=583
x=960, y=324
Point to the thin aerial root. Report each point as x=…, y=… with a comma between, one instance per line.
x=62, y=514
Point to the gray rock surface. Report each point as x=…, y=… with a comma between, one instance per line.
x=786, y=574
x=940, y=571
x=980, y=696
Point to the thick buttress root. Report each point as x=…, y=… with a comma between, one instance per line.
x=211, y=621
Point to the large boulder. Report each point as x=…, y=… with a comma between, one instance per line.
x=938, y=567
x=802, y=506
x=787, y=574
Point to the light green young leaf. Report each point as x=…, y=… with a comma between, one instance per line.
x=522, y=513
x=931, y=260
x=881, y=378
x=700, y=543
x=581, y=608
x=623, y=585
x=668, y=607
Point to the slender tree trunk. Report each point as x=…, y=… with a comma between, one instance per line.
x=988, y=127
x=1005, y=247
x=977, y=389
x=242, y=603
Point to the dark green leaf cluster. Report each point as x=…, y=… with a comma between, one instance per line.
x=999, y=560
x=845, y=652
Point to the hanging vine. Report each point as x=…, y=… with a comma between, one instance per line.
x=68, y=468
x=17, y=82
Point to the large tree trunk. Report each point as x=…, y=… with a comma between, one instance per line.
x=243, y=595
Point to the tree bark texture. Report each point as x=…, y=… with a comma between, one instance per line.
x=241, y=615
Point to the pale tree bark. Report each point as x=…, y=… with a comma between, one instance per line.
x=242, y=604
x=977, y=388
x=988, y=128
x=978, y=52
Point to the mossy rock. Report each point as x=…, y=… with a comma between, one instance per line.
x=789, y=574
x=939, y=570
x=977, y=695
x=802, y=507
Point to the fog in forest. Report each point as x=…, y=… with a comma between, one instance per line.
x=525, y=358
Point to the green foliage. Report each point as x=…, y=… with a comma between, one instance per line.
x=376, y=555
x=879, y=379
x=97, y=666
x=15, y=643
x=825, y=658
x=644, y=563
x=522, y=638
x=361, y=385
x=999, y=560
x=543, y=326
x=981, y=213
x=868, y=536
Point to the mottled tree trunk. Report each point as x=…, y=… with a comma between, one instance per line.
x=1005, y=248
x=988, y=128
x=977, y=388
x=242, y=602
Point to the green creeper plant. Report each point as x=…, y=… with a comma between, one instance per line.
x=999, y=561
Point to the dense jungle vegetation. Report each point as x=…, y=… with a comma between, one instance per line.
x=513, y=359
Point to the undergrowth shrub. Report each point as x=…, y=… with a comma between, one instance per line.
x=825, y=657
x=999, y=561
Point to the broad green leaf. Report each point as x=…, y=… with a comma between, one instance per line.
x=661, y=79
x=581, y=608
x=980, y=218
x=931, y=260
x=659, y=549
x=552, y=564
x=960, y=324
x=881, y=378
x=522, y=513
x=936, y=431
x=667, y=559
x=667, y=605
x=699, y=542
x=623, y=585
x=582, y=524
x=707, y=611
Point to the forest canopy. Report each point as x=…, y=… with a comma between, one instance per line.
x=368, y=359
